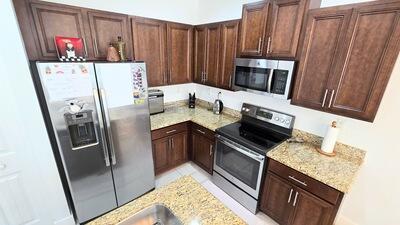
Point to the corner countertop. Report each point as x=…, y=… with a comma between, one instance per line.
x=338, y=172
x=175, y=114
x=186, y=198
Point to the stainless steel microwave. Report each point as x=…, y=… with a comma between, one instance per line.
x=263, y=76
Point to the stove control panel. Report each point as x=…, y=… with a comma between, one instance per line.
x=268, y=115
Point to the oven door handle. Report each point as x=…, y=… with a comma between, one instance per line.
x=270, y=77
x=257, y=157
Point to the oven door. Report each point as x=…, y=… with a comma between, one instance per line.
x=240, y=165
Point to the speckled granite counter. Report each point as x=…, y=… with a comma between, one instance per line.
x=181, y=113
x=337, y=172
x=186, y=198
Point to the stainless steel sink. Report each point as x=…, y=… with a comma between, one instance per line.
x=154, y=215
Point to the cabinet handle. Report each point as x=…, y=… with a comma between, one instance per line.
x=259, y=45
x=96, y=49
x=330, y=101
x=201, y=131
x=230, y=81
x=323, y=101
x=290, y=195
x=269, y=45
x=171, y=131
x=211, y=150
x=84, y=45
x=298, y=181
x=295, y=198
x=169, y=143
x=172, y=144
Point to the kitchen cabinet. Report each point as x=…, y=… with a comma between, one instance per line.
x=149, y=44
x=179, y=53
x=170, y=147
x=50, y=20
x=292, y=198
x=272, y=28
x=215, y=53
x=203, y=147
x=106, y=27
x=207, y=41
x=356, y=66
x=227, y=55
x=253, y=28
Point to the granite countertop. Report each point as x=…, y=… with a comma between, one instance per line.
x=186, y=198
x=175, y=114
x=337, y=172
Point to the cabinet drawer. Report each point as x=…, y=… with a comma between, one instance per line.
x=305, y=182
x=167, y=131
x=203, y=131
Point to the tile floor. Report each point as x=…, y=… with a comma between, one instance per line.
x=204, y=179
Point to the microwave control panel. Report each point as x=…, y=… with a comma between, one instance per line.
x=280, y=80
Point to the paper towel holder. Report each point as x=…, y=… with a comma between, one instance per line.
x=319, y=150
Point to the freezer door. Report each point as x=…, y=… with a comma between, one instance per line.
x=68, y=94
x=123, y=93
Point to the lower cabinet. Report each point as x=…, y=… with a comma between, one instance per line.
x=169, y=147
x=295, y=199
x=203, y=147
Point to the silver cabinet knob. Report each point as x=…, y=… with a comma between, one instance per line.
x=2, y=166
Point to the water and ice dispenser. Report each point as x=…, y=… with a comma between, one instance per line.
x=81, y=129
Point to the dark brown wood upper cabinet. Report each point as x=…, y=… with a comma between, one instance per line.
x=347, y=58
x=372, y=46
x=253, y=28
x=55, y=20
x=179, y=42
x=212, y=57
x=323, y=37
x=149, y=44
x=105, y=27
x=227, y=55
x=199, y=53
x=286, y=20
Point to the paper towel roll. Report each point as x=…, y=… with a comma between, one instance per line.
x=330, y=138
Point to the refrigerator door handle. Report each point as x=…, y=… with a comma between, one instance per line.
x=102, y=132
x=108, y=125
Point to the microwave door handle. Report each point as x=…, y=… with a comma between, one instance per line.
x=102, y=132
x=108, y=125
x=270, y=77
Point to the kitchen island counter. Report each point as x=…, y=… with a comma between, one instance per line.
x=185, y=197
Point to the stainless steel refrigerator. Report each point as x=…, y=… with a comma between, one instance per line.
x=98, y=120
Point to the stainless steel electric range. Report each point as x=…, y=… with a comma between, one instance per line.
x=241, y=147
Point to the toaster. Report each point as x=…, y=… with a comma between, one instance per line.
x=156, y=101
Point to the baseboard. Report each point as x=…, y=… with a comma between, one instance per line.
x=69, y=220
x=341, y=220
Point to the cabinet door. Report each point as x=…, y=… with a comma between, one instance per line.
x=311, y=210
x=229, y=35
x=286, y=20
x=178, y=150
x=160, y=154
x=212, y=51
x=372, y=46
x=179, y=45
x=276, y=198
x=55, y=20
x=203, y=151
x=149, y=44
x=105, y=27
x=253, y=30
x=324, y=35
x=199, y=53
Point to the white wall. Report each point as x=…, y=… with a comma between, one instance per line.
x=23, y=134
